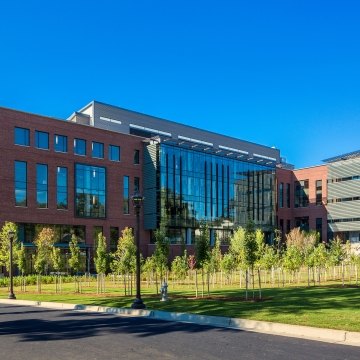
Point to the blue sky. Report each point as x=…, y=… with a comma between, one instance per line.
x=281, y=73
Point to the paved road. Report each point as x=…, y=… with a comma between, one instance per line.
x=35, y=333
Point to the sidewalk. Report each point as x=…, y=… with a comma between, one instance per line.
x=305, y=332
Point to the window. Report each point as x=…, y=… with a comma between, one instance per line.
x=90, y=191
x=97, y=150
x=80, y=147
x=114, y=238
x=136, y=184
x=288, y=195
x=126, y=197
x=60, y=143
x=61, y=188
x=42, y=140
x=281, y=195
x=136, y=157
x=302, y=193
x=22, y=136
x=318, y=192
x=20, y=183
x=114, y=153
x=319, y=228
x=42, y=186
x=302, y=223
x=288, y=226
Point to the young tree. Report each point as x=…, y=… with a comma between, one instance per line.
x=179, y=266
x=21, y=263
x=44, y=243
x=124, y=257
x=161, y=253
x=337, y=255
x=101, y=262
x=202, y=250
x=5, y=244
x=57, y=265
x=75, y=260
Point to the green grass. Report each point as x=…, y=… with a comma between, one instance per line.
x=329, y=306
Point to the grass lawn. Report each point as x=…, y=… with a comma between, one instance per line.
x=330, y=306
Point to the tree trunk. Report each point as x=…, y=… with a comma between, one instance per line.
x=259, y=275
x=196, y=284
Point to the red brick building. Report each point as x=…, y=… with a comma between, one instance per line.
x=301, y=199
x=74, y=177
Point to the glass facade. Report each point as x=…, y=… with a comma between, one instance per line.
x=62, y=188
x=42, y=186
x=20, y=177
x=80, y=147
x=136, y=184
x=90, y=191
x=42, y=140
x=22, y=136
x=225, y=192
x=281, y=195
x=97, y=149
x=60, y=143
x=318, y=185
x=114, y=153
x=126, y=195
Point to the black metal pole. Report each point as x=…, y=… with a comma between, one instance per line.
x=138, y=303
x=11, y=294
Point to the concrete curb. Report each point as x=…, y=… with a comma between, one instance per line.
x=340, y=337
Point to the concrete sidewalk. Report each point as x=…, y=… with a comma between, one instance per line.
x=305, y=332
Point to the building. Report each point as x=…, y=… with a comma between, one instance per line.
x=77, y=176
x=74, y=178
x=192, y=175
x=302, y=199
x=343, y=202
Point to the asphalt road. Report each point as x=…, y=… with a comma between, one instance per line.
x=36, y=333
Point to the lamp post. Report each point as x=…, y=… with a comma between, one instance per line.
x=11, y=235
x=137, y=201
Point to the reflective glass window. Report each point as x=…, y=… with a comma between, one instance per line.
x=90, y=191
x=114, y=153
x=136, y=157
x=22, y=136
x=42, y=140
x=20, y=177
x=126, y=195
x=60, y=143
x=80, y=147
x=62, y=188
x=42, y=185
x=97, y=150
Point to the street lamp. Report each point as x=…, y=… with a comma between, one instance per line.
x=137, y=201
x=11, y=235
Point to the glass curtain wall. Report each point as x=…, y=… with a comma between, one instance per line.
x=224, y=192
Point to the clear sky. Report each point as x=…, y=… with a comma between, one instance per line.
x=281, y=73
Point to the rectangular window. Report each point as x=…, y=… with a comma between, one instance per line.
x=114, y=237
x=126, y=197
x=288, y=226
x=80, y=147
x=319, y=228
x=22, y=136
x=90, y=191
x=136, y=157
x=302, y=193
x=318, y=192
x=42, y=186
x=281, y=195
x=136, y=184
x=20, y=183
x=288, y=195
x=60, y=143
x=42, y=140
x=114, y=153
x=97, y=149
x=62, y=188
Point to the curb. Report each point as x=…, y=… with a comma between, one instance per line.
x=340, y=337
